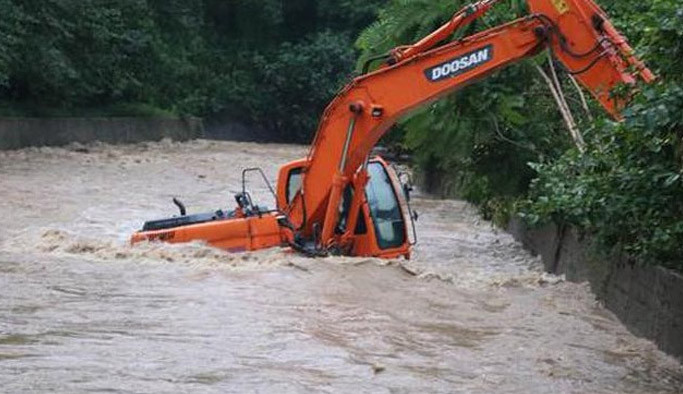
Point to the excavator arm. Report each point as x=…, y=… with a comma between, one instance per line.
x=325, y=199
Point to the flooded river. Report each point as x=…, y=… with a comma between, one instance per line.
x=81, y=311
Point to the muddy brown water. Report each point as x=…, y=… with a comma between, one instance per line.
x=81, y=311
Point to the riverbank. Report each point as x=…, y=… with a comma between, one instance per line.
x=648, y=299
x=17, y=133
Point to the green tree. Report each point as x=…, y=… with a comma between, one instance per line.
x=476, y=142
x=267, y=62
x=626, y=188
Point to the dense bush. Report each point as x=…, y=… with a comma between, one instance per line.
x=268, y=62
x=626, y=189
x=475, y=143
x=296, y=81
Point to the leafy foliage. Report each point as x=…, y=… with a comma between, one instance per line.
x=268, y=62
x=476, y=142
x=74, y=52
x=296, y=82
x=626, y=189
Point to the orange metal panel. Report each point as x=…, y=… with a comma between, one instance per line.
x=231, y=234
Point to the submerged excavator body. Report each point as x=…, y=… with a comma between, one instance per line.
x=380, y=228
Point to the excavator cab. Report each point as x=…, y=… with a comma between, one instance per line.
x=384, y=220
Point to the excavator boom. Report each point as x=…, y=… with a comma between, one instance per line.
x=321, y=203
x=576, y=31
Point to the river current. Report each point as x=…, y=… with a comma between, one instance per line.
x=81, y=311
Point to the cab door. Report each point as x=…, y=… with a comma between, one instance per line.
x=384, y=215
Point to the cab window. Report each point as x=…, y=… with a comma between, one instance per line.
x=344, y=209
x=293, y=184
x=384, y=208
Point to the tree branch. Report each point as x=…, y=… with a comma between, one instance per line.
x=564, y=110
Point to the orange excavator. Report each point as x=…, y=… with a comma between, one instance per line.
x=339, y=200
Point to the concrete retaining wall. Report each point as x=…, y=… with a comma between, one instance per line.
x=648, y=300
x=16, y=133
